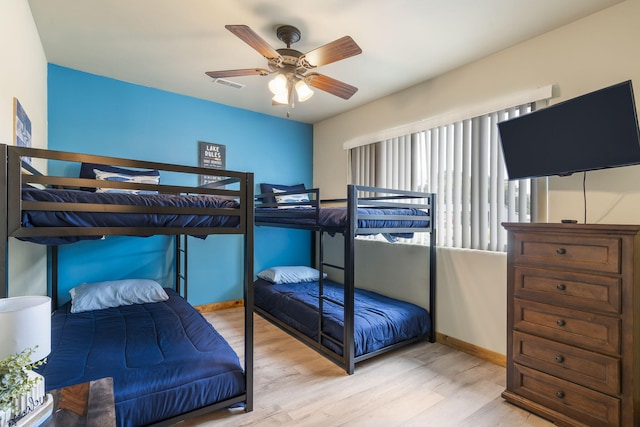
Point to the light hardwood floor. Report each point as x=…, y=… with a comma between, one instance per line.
x=420, y=385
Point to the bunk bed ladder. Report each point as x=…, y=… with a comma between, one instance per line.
x=322, y=298
x=182, y=272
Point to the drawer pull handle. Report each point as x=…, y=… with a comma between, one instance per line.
x=560, y=322
x=561, y=287
x=560, y=394
x=559, y=359
x=561, y=251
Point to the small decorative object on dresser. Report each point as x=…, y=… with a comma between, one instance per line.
x=572, y=319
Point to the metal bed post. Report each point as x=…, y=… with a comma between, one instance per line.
x=248, y=290
x=4, y=238
x=321, y=288
x=349, y=279
x=432, y=268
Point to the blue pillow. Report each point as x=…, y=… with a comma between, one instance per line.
x=121, y=177
x=290, y=198
x=268, y=188
x=88, y=171
x=290, y=274
x=96, y=296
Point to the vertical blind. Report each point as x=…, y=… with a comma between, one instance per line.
x=462, y=163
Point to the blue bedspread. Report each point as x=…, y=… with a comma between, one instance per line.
x=338, y=217
x=69, y=218
x=379, y=321
x=165, y=358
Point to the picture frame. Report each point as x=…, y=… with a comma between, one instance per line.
x=21, y=128
x=212, y=156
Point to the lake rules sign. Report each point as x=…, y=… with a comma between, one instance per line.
x=212, y=156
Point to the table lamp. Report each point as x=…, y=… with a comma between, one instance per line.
x=25, y=324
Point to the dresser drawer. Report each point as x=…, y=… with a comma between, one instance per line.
x=580, y=403
x=587, y=330
x=583, y=367
x=600, y=254
x=588, y=292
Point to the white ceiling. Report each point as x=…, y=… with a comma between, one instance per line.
x=169, y=44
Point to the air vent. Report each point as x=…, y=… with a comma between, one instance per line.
x=229, y=83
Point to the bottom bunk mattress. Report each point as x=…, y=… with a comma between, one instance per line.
x=379, y=321
x=165, y=358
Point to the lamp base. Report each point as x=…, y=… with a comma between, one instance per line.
x=39, y=415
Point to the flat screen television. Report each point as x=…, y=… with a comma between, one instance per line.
x=594, y=131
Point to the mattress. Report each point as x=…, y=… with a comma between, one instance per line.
x=338, y=217
x=165, y=358
x=69, y=218
x=379, y=321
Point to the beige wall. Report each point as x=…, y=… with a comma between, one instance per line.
x=586, y=55
x=23, y=75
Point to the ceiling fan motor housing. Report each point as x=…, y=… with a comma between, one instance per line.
x=288, y=34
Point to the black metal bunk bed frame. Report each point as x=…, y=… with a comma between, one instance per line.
x=14, y=173
x=371, y=197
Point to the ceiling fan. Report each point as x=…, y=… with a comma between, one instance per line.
x=292, y=68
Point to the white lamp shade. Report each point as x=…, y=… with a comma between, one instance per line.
x=303, y=91
x=25, y=322
x=278, y=85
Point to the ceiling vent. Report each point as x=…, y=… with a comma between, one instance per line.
x=229, y=83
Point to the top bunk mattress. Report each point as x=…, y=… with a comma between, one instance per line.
x=338, y=217
x=78, y=218
x=165, y=358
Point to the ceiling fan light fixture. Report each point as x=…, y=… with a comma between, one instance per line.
x=303, y=91
x=278, y=85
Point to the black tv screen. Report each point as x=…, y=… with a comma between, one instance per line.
x=593, y=131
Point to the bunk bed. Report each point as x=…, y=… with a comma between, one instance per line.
x=345, y=323
x=167, y=362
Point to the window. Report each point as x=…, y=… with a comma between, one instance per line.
x=462, y=163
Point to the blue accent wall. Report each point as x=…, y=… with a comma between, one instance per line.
x=97, y=115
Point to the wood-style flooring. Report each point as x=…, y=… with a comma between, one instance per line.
x=426, y=384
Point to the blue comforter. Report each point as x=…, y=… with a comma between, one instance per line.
x=337, y=217
x=379, y=321
x=70, y=218
x=165, y=358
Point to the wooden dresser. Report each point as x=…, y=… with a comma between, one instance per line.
x=573, y=320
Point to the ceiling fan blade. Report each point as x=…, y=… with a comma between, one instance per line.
x=236, y=73
x=333, y=86
x=339, y=49
x=248, y=36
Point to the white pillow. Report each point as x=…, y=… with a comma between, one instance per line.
x=290, y=274
x=290, y=198
x=99, y=295
x=122, y=177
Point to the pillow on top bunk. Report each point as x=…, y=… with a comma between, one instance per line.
x=291, y=274
x=99, y=295
x=290, y=198
x=122, y=177
x=89, y=170
x=268, y=188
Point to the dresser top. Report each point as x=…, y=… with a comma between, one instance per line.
x=572, y=228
